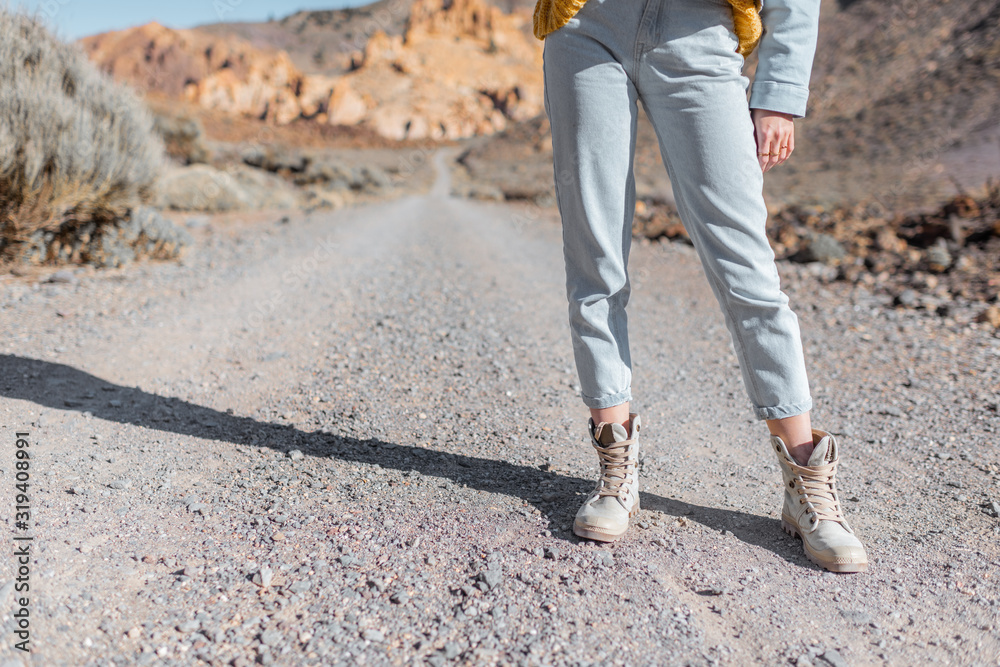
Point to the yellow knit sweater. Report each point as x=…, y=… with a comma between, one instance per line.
x=553, y=14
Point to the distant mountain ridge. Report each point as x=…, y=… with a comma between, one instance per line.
x=438, y=69
x=321, y=41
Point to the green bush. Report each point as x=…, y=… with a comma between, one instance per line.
x=75, y=147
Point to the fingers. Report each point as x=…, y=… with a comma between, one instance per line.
x=786, y=143
x=768, y=139
x=769, y=152
x=775, y=137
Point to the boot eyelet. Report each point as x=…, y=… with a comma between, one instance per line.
x=791, y=484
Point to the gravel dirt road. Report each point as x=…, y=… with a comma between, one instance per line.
x=354, y=438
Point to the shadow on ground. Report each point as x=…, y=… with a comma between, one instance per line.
x=60, y=386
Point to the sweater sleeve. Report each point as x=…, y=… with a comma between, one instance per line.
x=785, y=54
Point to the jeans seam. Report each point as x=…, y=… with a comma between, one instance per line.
x=641, y=34
x=616, y=322
x=735, y=331
x=626, y=367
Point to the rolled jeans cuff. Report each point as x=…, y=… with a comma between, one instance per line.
x=608, y=401
x=783, y=411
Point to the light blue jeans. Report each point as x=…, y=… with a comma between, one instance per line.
x=678, y=57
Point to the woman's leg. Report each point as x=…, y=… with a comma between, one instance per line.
x=796, y=433
x=694, y=92
x=591, y=105
x=618, y=414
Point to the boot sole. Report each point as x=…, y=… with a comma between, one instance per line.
x=601, y=534
x=833, y=566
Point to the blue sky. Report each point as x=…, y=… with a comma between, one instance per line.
x=72, y=19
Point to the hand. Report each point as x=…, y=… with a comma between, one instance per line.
x=775, y=135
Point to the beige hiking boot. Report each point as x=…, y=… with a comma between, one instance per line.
x=605, y=514
x=812, y=509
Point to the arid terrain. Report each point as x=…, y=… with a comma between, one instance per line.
x=341, y=424
x=354, y=438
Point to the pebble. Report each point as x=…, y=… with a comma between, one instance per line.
x=5, y=591
x=64, y=276
x=300, y=586
x=491, y=578
x=121, y=484
x=373, y=636
x=271, y=637
x=188, y=626
x=296, y=455
x=604, y=557
x=856, y=617
x=908, y=298
x=263, y=576
x=834, y=658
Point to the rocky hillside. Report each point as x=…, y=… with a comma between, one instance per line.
x=902, y=112
x=457, y=69
x=323, y=41
x=903, y=103
x=228, y=74
x=320, y=42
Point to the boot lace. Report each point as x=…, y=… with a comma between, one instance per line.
x=616, y=469
x=817, y=488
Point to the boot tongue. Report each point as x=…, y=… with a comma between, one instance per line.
x=610, y=433
x=822, y=453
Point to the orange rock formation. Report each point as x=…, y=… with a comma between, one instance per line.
x=461, y=68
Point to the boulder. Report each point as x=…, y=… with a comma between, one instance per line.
x=344, y=106
x=201, y=188
x=820, y=247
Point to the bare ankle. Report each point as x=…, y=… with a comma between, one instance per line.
x=801, y=452
x=618, y=414
x=796, y=433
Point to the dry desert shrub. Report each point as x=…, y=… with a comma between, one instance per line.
x=75, y=147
